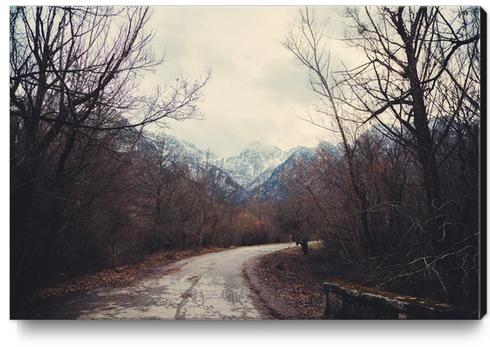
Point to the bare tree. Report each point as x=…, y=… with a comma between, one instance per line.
x=74, y=74
x=420, y=75
x=308, y=42
x=418, y=87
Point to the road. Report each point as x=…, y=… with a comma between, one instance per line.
x=209, y=286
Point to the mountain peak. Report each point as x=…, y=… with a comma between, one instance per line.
x=257, y=165
x=254, y=160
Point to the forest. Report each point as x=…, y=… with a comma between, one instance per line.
x=93, y=185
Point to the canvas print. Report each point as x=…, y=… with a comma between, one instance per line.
x=249, y=163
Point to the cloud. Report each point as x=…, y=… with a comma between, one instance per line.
x=258, y=92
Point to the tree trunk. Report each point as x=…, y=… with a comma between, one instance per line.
x=304, y=246
x=425, y=143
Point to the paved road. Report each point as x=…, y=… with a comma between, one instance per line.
x=209, y=286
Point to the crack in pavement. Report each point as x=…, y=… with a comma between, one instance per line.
x=185, y=297
x=209, y=286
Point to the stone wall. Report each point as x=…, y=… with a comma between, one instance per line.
x=347, y=301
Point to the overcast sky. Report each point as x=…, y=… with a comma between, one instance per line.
x=258, y=92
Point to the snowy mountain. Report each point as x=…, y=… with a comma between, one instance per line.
x=222, y=185
x=199, y=162
x=183, y=151
x=260, y=179
x=274, y=186
x=258, y=172
x=252, y=165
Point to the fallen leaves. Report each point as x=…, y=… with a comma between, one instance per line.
x=289, y=274
x=119, y=276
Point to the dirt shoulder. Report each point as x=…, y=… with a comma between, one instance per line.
x=285, y=283
x=290, y=284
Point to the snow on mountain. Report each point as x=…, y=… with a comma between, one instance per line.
x=274, y=186
x=181, y=150
x=253, y=162
x=222, y=185
x=260, y=179
x=201, y=162
x=259, y=171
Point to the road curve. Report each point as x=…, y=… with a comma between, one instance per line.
x=209, y=286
